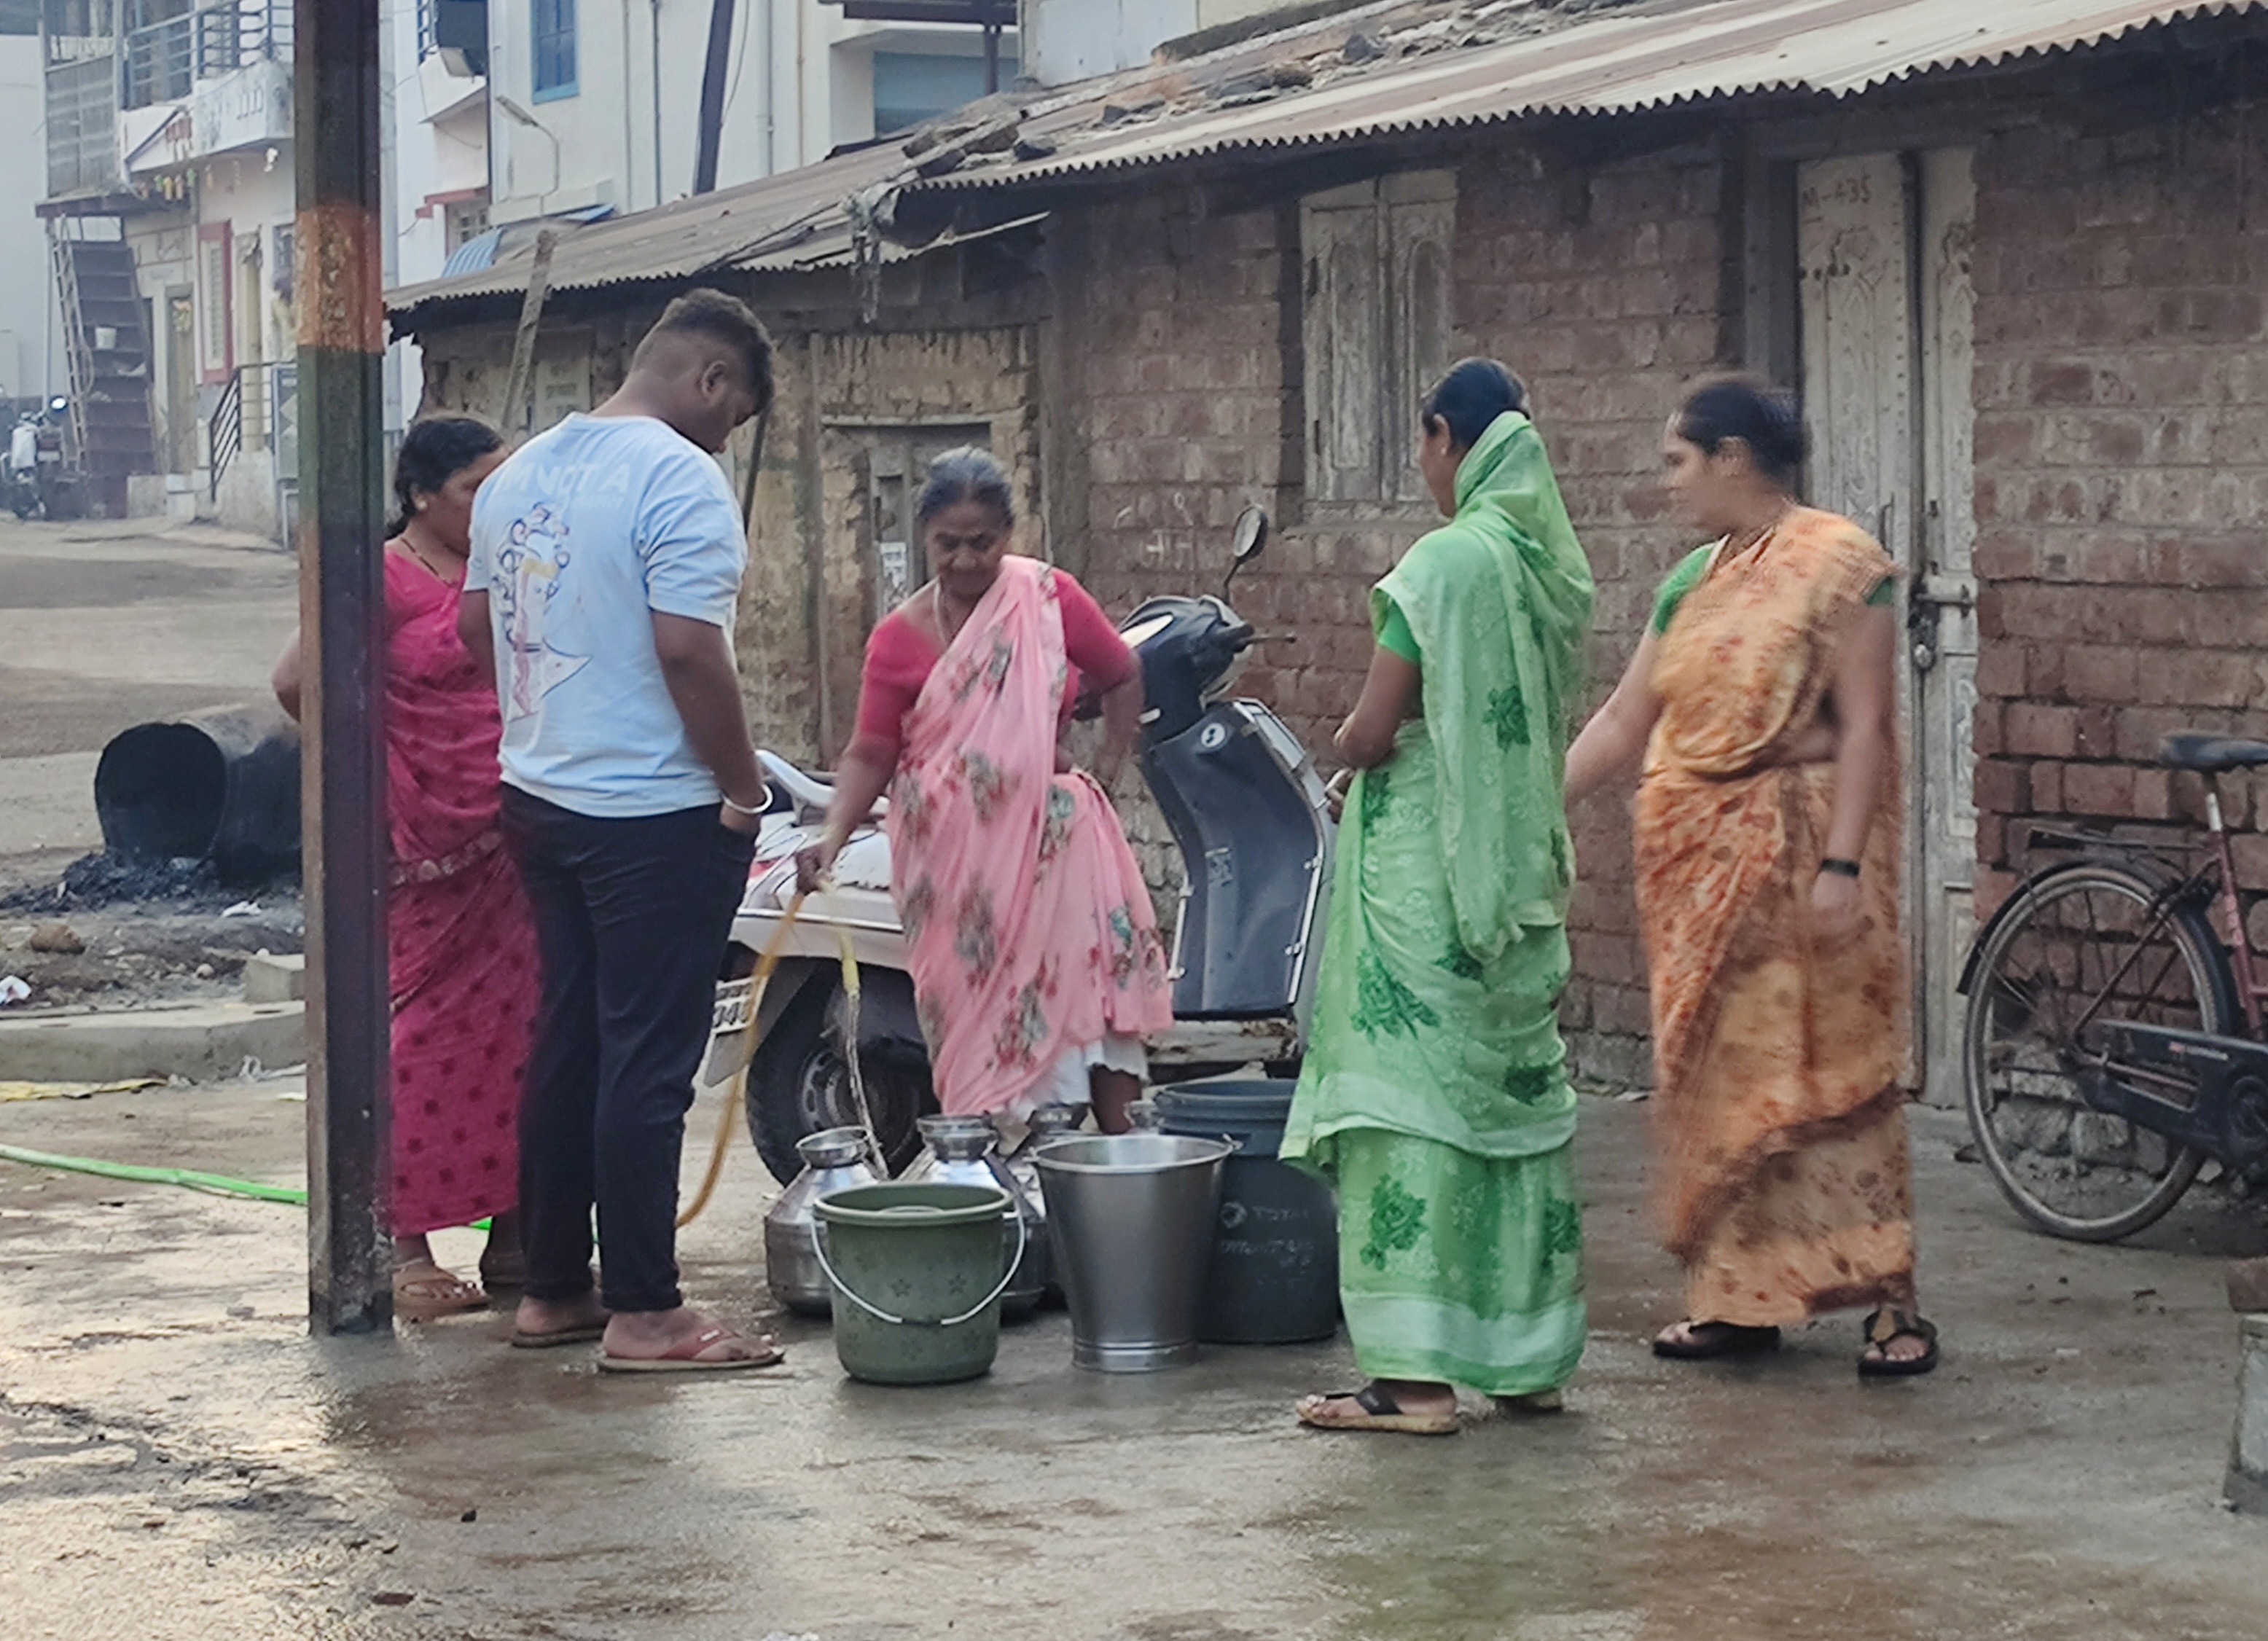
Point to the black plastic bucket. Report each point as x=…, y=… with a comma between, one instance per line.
x=1275, y=1273
x=222, y=786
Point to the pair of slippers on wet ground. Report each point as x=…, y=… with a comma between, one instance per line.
x=423, y=1292
x=1373, y=1409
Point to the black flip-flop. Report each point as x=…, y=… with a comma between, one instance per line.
x=1376, y=1411
x=1890, y=1323
x=1705, y=1341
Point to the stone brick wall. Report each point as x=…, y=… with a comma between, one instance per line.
x=1606, y=297
x=2122, y=470
x=807, y=602
x=863, y=386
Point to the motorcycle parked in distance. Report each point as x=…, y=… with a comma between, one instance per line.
x=24, y=499
x=1248, y=813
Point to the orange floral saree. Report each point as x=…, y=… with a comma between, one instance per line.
x=1782, y=1068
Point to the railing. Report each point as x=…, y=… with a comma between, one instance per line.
x=161, y=62
x=165, y=61
x=258, y=410
x=232, y=36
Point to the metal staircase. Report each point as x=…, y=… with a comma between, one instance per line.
x=113, y=433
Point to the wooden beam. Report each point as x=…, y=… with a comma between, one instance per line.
x=342, y=335
x=518, y=412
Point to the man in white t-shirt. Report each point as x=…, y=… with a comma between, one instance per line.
x=606, y=564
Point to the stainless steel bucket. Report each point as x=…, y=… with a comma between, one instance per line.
x=1131, y=1218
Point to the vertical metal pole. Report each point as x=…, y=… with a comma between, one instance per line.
x=342, y=608
x=992, y=58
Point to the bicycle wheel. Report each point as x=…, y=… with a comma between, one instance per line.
x=2078, y=944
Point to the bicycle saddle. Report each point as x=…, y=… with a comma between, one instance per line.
x=2211, y=755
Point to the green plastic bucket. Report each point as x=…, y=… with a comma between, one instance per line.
x=916, y=1271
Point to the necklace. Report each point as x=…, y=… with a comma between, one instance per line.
x=1729, y=550
x=945, y=634
x=428, y=565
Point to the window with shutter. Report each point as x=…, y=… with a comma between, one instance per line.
x=1377, y=330
x=1420, y=214
x=1339, y=240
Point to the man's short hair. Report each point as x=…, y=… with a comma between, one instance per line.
x=713, y=316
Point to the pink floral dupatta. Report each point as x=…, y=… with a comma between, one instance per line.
x=1029, y=930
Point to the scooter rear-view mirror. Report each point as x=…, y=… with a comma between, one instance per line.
x=1249, y=540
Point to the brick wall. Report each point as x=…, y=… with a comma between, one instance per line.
x=863, y=385
x=1175, y=382
x=1606, y=298
x=2122, y=469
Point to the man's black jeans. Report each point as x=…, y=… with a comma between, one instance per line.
x=631, y=918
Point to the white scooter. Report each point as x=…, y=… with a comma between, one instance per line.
x=1246, y=810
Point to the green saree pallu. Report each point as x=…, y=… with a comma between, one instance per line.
x=1435, y=1093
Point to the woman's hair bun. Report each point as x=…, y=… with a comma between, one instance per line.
x=1768, y=419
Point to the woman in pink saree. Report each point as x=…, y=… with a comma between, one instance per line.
x=460, y=949
x=1033, y=949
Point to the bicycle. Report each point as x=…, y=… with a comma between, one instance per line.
x=2113, y=1041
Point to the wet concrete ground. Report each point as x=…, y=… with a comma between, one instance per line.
x=177, y=1460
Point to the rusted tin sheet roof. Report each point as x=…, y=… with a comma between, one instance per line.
x=795, y=220
x=1407, y=68
x=1399, y=65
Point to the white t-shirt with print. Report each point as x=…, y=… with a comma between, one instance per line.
x=577, y=538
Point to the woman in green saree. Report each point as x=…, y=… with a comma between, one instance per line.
x=1435, y=1093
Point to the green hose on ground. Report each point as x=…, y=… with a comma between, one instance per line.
x=188, y=1179
x=213, y=1184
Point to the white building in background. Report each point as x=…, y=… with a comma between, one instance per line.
x=169, y=202
x=508, y=114
x=168, y=192
x=1074, y=40
x=30, y=366
x=596, y=103
x=436, y=184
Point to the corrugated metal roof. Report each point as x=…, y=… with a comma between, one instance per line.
x=1424, y=71
x=1415, y=67
x=796, y=219
x=474, y=255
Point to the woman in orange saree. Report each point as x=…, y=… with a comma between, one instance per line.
x=1768, y=848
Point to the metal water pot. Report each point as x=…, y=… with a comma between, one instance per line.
x=834, y=1159
x=1046, y=1124
x=965, y=1151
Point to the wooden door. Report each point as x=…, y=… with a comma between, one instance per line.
x=1942, y=608
x=1882, y=244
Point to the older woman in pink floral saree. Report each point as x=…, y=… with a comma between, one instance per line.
x=1034, y=953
